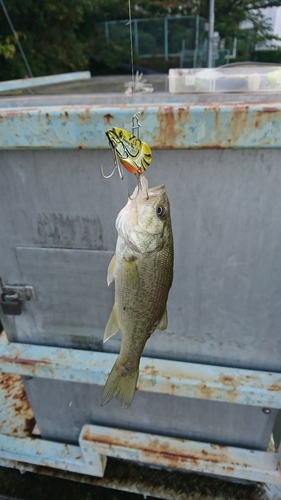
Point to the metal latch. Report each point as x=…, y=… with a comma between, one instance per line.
x=12, y=295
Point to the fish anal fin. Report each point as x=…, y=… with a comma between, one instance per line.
x=111, y=270
x=163, y=323
x=120, y=386
x=112, y=326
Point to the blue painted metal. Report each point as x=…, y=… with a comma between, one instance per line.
x=26, y=83
x=18, y=444
x=175, y=126
x=183, y=454
x=21, y=449
x=51, y=454
x=216, y=383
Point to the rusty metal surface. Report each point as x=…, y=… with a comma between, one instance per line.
x=21, y=450
x=17, y=442
x=175, y=378
x=16, y=415
x=166, y=126
x=181, y=454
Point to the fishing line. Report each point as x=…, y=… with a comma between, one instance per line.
x=131, y=44
x=16, y=38
x=135, y=121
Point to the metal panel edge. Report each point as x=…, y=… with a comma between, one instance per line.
x=26, y=83
x=216, y=383
x=47, y=453
x=181, y=454
x=175, y=126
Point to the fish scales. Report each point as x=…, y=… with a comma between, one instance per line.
x=141, y=308
x=142, y=268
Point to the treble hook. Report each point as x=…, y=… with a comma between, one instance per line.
x=139, y=186
x=116, y=167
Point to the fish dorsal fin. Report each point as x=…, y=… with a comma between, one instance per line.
x=163, y=323
x=112, y=326
x=111, y=270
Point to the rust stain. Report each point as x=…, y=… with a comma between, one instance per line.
x=239, y=122
x=20, y=361
x=20, y=415
x=206, y=391
x=66, y=115
x=151, y=371
x=226, y=380
x=268, y=109
x=108, y=117
x=86, y=116
x=164, y=451
x=7, y=381
x=167, y=127
x=274, y=388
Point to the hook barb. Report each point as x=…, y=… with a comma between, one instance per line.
x=117, y=166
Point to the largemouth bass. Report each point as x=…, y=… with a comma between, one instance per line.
x=142, y=268
x=133, y=153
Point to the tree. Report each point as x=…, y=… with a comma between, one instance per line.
x=66, y=35
x=230, y=14
x=51, y=35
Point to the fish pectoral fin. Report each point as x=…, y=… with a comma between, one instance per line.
x=111, y=270
x=163, y=323
x=112, y=326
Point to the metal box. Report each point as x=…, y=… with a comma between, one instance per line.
x=220, y=162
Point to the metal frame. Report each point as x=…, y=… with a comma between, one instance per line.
x=217, y=383
x=174, y=126
x=96, y=442
x=39, y=81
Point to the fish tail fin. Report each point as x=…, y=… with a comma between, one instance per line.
x=121, y=386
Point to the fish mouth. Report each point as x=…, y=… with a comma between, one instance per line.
x=156, y=191
x=143, y=191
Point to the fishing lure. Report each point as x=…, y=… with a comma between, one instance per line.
x=134, y=154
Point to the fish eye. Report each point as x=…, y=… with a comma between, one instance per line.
x=120, y=133
x=160, y=211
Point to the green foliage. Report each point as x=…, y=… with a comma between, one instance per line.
x=50, y=34
x=230, y=14
x=268, y=56
x=64, y=35
x=7, y=47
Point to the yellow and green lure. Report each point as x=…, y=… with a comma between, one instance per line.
x=133, y=153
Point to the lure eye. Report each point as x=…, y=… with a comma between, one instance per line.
x=120, y=133
x=160, y=211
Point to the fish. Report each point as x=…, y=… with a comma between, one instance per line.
x=134, y=154
x=142, y=269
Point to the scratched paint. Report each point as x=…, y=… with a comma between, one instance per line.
x=17, y=443
x=215, y=383
x=181, y=454
x=163, y=126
